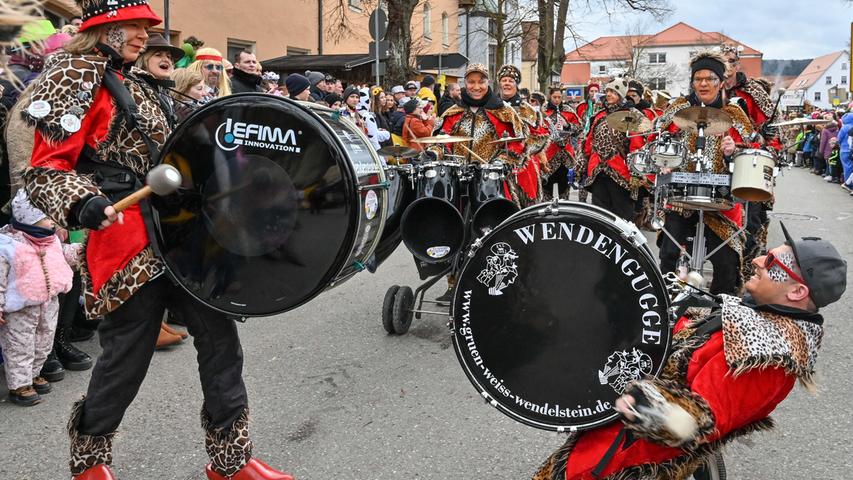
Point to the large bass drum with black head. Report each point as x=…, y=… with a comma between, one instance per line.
x=556, y=311
x=280, y=200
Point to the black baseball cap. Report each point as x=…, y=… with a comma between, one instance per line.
x=821, y=266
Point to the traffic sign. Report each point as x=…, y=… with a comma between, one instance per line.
x=382, y=23
x=383, y=49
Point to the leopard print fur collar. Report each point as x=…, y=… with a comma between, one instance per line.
x=68, y=85
x=761, y=339
x=754, y=89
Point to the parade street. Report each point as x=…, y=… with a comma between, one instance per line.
x=338, y=398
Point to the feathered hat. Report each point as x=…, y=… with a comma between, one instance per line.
x=99, y=12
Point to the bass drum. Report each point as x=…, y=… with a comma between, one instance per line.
x=556, y=311
x=280, y=200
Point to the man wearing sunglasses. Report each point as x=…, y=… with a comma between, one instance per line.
x=733, y=361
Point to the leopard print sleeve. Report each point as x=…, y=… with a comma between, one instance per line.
x=670, y=414
x=57, y=192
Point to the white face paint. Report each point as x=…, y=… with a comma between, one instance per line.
x=776, y=273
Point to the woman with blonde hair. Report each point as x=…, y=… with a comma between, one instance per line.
x=210, y=64
x=189, y=94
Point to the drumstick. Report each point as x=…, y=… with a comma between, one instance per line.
x=472, y=153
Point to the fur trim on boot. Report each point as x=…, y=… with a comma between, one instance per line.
x=229, y=449
x=87, y=450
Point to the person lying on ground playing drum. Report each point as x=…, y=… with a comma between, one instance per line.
x=730, y=366
x=708, y=71
x=89, y=152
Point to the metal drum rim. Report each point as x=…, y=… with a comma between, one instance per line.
x=348, y=172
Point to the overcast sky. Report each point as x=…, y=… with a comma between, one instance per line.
x=781, y=29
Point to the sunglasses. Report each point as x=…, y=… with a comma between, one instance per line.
x=212, y=67
x=771, y=260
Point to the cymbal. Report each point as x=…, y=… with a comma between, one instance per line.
x=398, y=151
x=801, y=121
x=715, y=121
x=508, y=140
x=441, y=139
x=629, y=121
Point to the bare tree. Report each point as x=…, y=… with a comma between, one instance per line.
x=398, y=66
x=638, y=64
x=553, y=26
x=504, y=24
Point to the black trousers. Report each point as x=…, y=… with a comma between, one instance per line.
x=726, y=261
x=128, y=336
x=610, y=196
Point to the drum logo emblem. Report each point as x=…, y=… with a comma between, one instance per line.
x=500, y=271
x=230, y=135
x=624, y=367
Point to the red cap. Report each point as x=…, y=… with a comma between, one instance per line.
x=135, y=12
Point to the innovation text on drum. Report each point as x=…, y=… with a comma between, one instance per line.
x=603, y=244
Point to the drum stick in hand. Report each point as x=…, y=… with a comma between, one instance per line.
x=473, y=154
x=161, y=180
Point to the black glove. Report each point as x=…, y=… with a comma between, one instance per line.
x=90, y=212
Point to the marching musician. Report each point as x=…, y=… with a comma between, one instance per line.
x=80, y=107
x=563, y=125
x=637, y=98
x=730, y=366
x=754, y=98
x=708, y=72
x=483, y=116
x=605, y=149
x=590, y=106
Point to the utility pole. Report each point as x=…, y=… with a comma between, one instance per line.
x=166, y=32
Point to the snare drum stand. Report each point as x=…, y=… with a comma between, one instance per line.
x=698, y=256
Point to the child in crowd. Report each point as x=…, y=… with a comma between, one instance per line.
x=834, y=161
x=35, y=267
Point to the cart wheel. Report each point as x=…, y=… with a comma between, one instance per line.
x=404, y=300
x=388, y=309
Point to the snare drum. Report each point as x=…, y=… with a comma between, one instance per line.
x=552, y=353
x=753, y=178
x=668, y=152
x=280, y=200
x=432, y=227
x=698, y=191
x=641, y=163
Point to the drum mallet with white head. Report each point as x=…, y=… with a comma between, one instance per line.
x=161, y=180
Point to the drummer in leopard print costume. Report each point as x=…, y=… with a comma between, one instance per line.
x=753, y=96
x=89, y=151
x=563, y=125
x=708, y=73
x=605, y=150
x=731, y=365
x=482, y=115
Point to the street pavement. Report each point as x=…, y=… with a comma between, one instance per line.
x=332, y=396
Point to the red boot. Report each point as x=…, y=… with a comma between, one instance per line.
x=98, y=472
x=254, y=470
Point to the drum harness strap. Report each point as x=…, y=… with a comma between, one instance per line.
x=118, y=181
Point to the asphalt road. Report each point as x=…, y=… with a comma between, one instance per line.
x=334, y=397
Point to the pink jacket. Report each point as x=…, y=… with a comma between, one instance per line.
x=33, y=270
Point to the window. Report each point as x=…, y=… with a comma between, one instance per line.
x=297, y=51
x=355, y=5
x=657, y=58
x=427, y=21
x=816, y=96
x=843, y=66
x=657, y=84
x=445, y=29
x=844, y=79
x=829, y=80
x=237, y=46
x=602, y=69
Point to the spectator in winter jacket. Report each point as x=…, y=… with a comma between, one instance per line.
x=829, y=130
x=314, y=80
x=417, y=123
x=808, y=146
x=246, y=77
x=844, y=140
x=452, y=95
x=426, y=93
x=833, y=163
